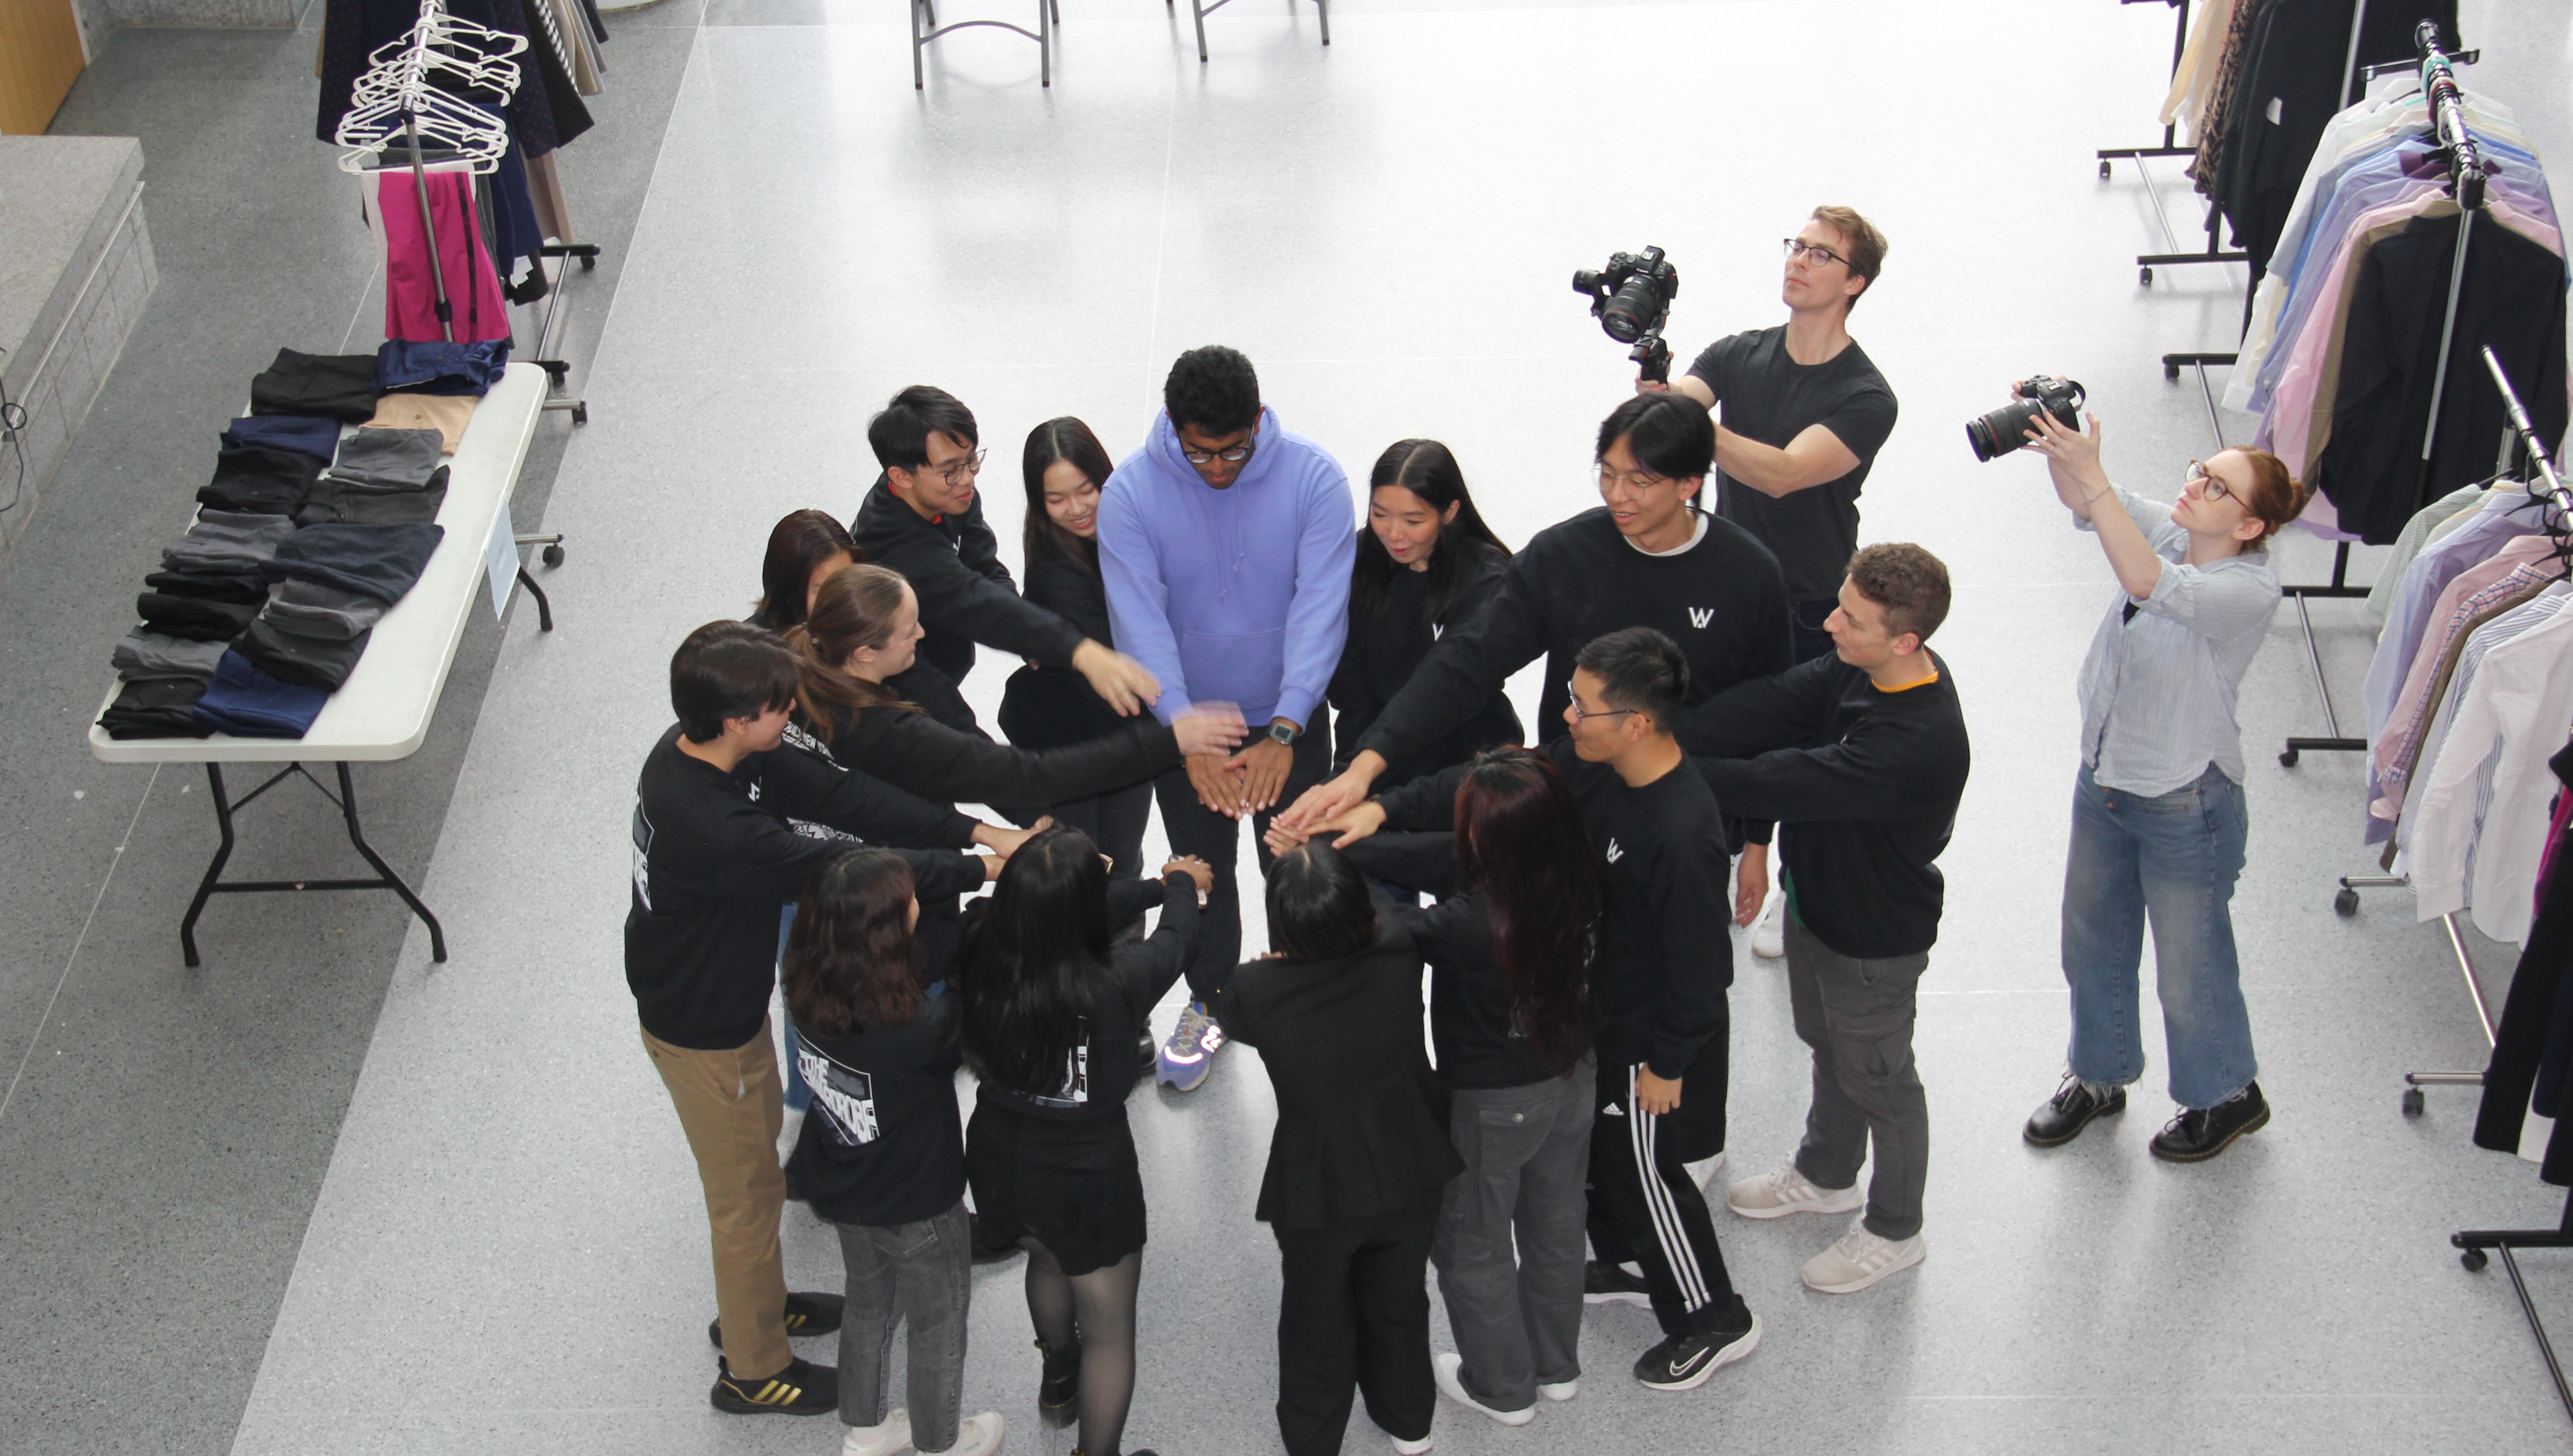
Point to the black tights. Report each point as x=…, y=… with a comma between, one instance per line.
x=1096, y=1310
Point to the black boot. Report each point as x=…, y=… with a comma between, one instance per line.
x=2199, y=1134
x=1059, y=1390
x=2070, y=1110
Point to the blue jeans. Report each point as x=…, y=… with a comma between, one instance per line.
x=798, y=1096
x=2172, y=861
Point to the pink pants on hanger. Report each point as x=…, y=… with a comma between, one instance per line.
x=472, y=284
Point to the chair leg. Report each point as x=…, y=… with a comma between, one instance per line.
x=915, y=7
x=1045, y=44
x=1201, y=19
x=1325, y=6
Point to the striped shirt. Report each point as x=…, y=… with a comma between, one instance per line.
x=2158, y=689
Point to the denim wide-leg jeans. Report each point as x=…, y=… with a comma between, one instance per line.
x=2168, y=862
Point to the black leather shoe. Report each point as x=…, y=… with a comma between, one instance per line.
x=2199, y=1134
x=2070, y=1110
x=806, y=1314
x=1059, y=1390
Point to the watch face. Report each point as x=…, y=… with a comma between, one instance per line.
x=1281, y=733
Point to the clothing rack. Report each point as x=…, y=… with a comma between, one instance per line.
x=2474, y=1242
x=2145, y=262
x=2465, y=183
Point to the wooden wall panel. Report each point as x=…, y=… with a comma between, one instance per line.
x=40, y=57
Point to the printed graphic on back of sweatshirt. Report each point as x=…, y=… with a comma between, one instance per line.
x=1076, y=1073
x=844, y=1096
x=643, y=857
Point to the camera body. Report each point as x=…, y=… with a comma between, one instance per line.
x=2005, y=430
x=1632, y=298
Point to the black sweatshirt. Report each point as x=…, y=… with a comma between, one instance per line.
x=1666, y=946
x=1722, y=600
x=1872, y=804
x=930, y=759
x=1049, y=708
x=1139, y=973
x=1386, y=647
x=965, y=595
x=714, y=860
x=1470, y=1026
x=883, y=1143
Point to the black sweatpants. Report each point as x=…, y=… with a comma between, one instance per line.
x=1645, y=1207
x=1193, y=829
x=1356, y=1313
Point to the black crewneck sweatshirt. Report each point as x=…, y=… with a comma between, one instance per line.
x=714, y=859
x=1666, y=951
x=966, y=594
x=1872, y=804
x=935, y=761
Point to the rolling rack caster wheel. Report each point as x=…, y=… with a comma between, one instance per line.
x=2170, y=373
x=2346, y=903
x=2474, y=1260
x=589, y=262
x=581, y=412
x=2288, y=759
x=2412, y=1102
x=554, y=557
x=2104, y=172
x=2144, y=275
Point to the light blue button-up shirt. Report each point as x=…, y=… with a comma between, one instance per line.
x=2157, y=691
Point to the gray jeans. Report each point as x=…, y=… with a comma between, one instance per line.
x=1857, y=1015
x=922, y=1272
x=1517, y=1320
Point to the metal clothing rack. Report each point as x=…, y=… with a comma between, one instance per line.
x=2474, y=1242
x=2145, y=262
x=2466, y=184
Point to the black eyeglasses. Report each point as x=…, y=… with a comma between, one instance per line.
x=1234, y=457
x=1813, y=253
x=1581, y=714
x=957, y=472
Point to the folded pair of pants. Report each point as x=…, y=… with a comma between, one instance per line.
x=193, y=618
x=289, y=656
x=260, y=480
x=156, y=707
x=449, y=415
x=435, y=366
x=248, y=703
x=141, y=654
x=243, y=586
x=390, y=458
x=228, y=541
x=330, y=387
x=351, y=503
x=307, y=434
x=317, y=610
x=380, y=561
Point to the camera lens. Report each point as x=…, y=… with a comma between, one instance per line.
x=2002, y=430
x=1633, y=312
x=1585, y=282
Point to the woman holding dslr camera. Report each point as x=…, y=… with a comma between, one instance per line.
x=2159, y=821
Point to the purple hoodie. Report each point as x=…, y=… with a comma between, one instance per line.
x=1236, y=595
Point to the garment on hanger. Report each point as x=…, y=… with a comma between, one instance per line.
x=2529, y=1055
x=2475, y=832
x=2193, y=79
x=545, y=189
x=464, y=260
x=2215, y=120
x=2505, y=513
x=2509, y=298
x=2510, y=576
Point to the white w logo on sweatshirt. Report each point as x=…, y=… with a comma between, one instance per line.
x=1700, y=616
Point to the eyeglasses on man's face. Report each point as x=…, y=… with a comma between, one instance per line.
x=1581, y=714
x=1814, y=253
x=1612, y=479
x=957, y=472
x=1232, y=456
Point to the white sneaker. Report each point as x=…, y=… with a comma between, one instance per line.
x=1447, y=1368
x=1860, y=1260
x=1410, y=1448
x=1787, y=1191
x=1703, y=1171
x=977, y=1435
x=894, y=1435
x=1769, y=932
x=1564, y=1391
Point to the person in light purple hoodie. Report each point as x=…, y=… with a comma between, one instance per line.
x=1225, y=545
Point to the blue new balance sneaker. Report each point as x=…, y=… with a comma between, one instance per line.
x=1190, y=1054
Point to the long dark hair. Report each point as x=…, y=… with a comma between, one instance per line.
x=1319, y=906
x=1030, y=962
x=1069, y=441
x=800, y=541
x=851, y=962
x=1520, y=842
x=1426, y=469
x=855, y=608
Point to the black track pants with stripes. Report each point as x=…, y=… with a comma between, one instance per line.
x=1642, y=1197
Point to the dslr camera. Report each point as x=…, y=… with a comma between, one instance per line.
x=2006, y=430
x=1632, y=298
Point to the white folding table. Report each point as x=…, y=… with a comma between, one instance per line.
x=383, y=711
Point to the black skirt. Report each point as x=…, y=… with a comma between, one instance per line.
x=1072, y=1186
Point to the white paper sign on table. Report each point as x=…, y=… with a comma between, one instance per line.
x=500, y=562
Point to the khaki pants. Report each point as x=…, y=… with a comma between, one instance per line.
x=732, y=1108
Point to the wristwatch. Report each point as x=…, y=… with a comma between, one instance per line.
x=1282, y=734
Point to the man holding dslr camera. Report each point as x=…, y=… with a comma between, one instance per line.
x=1801, y=412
